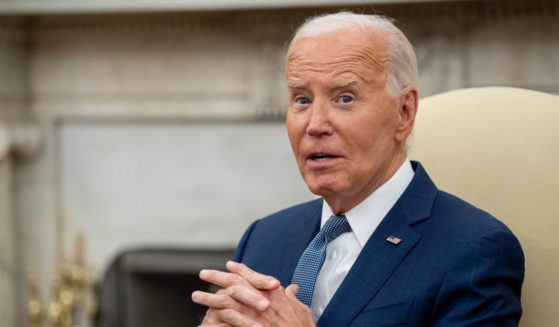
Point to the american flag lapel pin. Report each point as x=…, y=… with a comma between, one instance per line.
x=394, y=240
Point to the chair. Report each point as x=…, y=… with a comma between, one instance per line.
x=498, y=148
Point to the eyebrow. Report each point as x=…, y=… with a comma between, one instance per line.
x=345, y=84
x=295, y=85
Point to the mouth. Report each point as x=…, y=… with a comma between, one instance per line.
x=318, y=157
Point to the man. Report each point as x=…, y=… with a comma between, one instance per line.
x=383, y=246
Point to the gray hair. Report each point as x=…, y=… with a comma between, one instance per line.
x=402, y=68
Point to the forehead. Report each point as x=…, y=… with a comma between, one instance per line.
x=343, y=52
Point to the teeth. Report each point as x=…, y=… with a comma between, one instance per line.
x=321, y=158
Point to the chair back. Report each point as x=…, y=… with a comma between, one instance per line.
x=498, y=148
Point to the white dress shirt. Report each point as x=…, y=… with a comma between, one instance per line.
x=364, y=218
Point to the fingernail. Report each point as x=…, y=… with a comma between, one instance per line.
x=273, y=283
x=203, y=273
x=263, y=304
x=256, y=325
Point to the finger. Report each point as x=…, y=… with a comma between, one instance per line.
x=260, y=281
x=211, y=318
x=292, y=290
x=236, y=319
x=215, y=325
x=247, y=295
x=216, y=301
x=236, y=287
x=220, y=278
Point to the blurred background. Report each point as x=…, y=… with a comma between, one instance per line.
x=138, y=139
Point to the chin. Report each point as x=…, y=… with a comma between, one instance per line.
x=321, y=189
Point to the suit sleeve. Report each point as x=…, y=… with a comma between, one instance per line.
x=239, y=252
x=483, y=286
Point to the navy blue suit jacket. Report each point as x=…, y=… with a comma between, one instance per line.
x=455, y=266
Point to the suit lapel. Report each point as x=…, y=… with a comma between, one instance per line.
x=379, y=258
x=301, y=235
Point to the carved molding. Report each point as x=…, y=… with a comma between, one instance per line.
x=179, y=22
x=10, y=26
x=251, y=21
x=20, y=139
x=27, y=7
x=8, y=261
x=267, y=31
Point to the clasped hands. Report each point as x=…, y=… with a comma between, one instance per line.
x=250, y=299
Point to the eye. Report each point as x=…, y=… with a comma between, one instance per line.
x=302, y=100
x=345, y=99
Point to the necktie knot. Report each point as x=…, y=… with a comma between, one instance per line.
x=335, y=226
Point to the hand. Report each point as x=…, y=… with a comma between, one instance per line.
x=250, y=299
x=233, y=294
x=284, y=309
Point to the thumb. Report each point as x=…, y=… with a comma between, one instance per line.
x=292, y=291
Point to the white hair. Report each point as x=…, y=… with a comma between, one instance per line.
x=402, y=68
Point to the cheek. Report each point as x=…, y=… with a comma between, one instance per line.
x=374, y=137
x=365, y=140
x=293, y=135
x=295, y=125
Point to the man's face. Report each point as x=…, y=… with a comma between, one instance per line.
x=341, y=121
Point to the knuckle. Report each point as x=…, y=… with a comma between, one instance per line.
x=222, y=301
x=227, y=315
x=232, y=278
x=231, y=291
x=210, y=317
x=252, y=275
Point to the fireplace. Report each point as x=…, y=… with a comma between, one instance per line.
x=152, y=287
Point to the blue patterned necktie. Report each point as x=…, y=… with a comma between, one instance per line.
x=312, y=259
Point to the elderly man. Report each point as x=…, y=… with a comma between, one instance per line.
x=383, y=246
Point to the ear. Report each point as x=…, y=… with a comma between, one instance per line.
x=407, y=111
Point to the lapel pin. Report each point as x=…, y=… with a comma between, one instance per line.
x=394, y=240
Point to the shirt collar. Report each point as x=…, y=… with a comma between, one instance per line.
x=365, y=217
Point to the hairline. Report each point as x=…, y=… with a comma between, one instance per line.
x=396, y=42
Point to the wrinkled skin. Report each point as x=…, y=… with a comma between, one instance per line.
x=339, y=108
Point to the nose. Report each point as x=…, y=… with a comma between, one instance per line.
x=319, y=123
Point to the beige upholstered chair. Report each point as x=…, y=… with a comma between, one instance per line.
x=498, y=148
